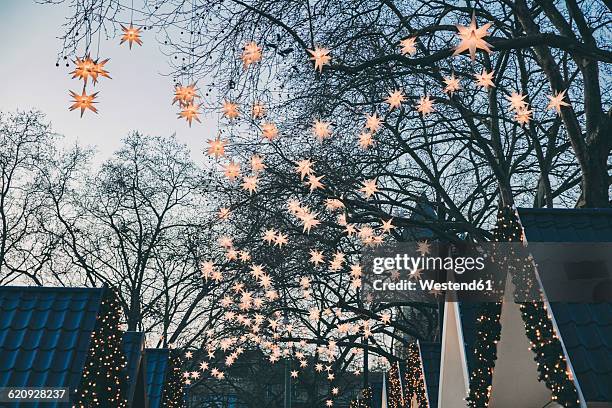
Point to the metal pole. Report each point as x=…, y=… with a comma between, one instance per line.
x=365, y=362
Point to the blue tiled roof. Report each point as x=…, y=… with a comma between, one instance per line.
x=586, y=329
x=156, y=366
x=430, y=353
x=45, y=335
x=133, y=344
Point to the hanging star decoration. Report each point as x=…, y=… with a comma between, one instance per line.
x=83, y=101
x=408, y=46
x=269, y=131
x=232, y=170
x=258, y=111
x=365, y=140
x=452, y=84
x=517, y=101
x=369, y=188
x=257, y=164
x=425, y=105
x=556, y=101
x=472, y=38
x=185, y=95
x=190, y=113
x=523, y=115
x=86, y=68
x=131, y=34
x=395, y=99
x=321, y=57
x=321, y=130
x=485, y=79
x=251, y=53
x=216, y=147
x=230, y=110
x=373, y=122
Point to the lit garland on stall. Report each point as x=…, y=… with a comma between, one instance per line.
x=104, y=376
x=365, y=401
x=396, y=394
x=550, y=359
x=414, y=383
x=174, y=395
x=545, y=344
x=488, y=328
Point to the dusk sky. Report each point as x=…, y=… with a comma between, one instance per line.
x=138, y=97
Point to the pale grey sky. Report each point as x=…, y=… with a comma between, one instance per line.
x=137, y=98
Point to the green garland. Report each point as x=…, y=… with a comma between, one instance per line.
x=104, y=381
x=552, y=366
x=414, y=378
x=549, y=355
x=396, y=395
x=365, y=401
x=174, y=395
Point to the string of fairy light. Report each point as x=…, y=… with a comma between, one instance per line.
x=103, y=382
x=415, y=378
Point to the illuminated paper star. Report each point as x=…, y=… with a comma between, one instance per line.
x=408, y=46
x=373, y=122
x=257, y=163
x=365, y=140
x=523, y=115
x=385, y=318
x=83, y=101
x=232, y=170
x=314, y=182
x=269, y=235
x=321, y=129
x=387, y=226
x=258, y=110
x=294, y=374
x=269, y=130
x=423, y=247
x=333, y=204
x=224, y=213
x=216, y=147
x=310, y=221
x=207, y=268
x=369, y=188
x=395, y=99
x=425, y=105
x=98, y=70
x=251, y=53
x=517, y=101
x=281, y=239
x=230, y=110
x=131, y=34
x=472, y=38
x=304, y=168
x=190, y=113
x=316, y=257
x=485, y=79
x=556, y=101
x=321, y=57
x=184, y=95
x=84, y=68
x=452, y=84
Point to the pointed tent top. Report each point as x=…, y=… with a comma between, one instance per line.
x=383, y=399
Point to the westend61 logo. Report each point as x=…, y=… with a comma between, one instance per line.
x=413, y=265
